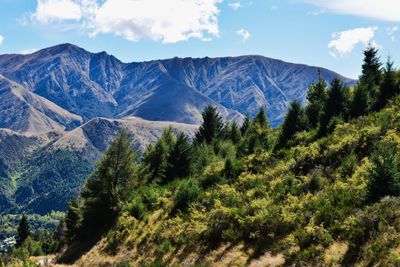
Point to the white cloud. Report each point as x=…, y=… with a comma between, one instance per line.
x=391, y=31
x=244, y=34
x=387, y=10
x=317, y=13
x=28, y=51
x=1, y=39
x=274, y=7
x=167, y=21
x=235, y=5
x=344, y=42
x=53, y=10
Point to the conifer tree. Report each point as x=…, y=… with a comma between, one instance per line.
x=231, y=131
x=371, y=67
x=246, y=124
x=361, y=103
x=211, y=128
x=366, y=94
x=295, y=121
x=384, y=178
x=316, y=98
x=389, y=87
x=23, y=230
x=72, y=221
x=261, y=118
x=156, y=156
x=335, y=105
x=180, y=158
x=107, y=188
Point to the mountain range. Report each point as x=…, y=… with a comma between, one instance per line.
x=61, y=106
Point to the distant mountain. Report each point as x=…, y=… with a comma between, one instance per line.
x=99, y=85
x=42, y=172
x=24, y=111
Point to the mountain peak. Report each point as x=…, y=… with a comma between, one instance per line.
x=65, y=48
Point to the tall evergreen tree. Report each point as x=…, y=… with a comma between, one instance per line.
x=389, y=87
x=316, y=97
x=256, y=135
x=261, y=118
x=232, y=132
x=180, y=158
x=156, y=156
x=295, y=121
x=361, y=102
x=107, y=188
x=72, y=221
x=335, y=105
x=367, y=91
x=23, y=230
x=371, y=67
x=211, y=128
x=246, y=124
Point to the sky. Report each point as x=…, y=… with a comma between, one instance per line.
x=325, y=33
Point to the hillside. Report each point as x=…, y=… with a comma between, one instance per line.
x=305, y=206
x=322, y=190
x=42, y=172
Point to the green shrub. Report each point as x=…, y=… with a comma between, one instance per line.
x=188, y=192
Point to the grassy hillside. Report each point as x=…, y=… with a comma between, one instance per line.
x=323, y=189
x=305, y=205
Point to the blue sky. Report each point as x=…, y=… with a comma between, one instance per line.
x=327, y=33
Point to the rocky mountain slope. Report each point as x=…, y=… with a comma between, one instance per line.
x=99, y=85
x=42, y=172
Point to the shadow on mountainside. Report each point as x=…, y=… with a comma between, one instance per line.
x=78, y=248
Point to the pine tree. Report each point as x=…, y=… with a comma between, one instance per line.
x=72, y=221
x=211, y=128
x=246, y=124
x=156, y=156
x=371, y=68
x=366, y=94
x=295, y=121
x=335, y=105
x=231, y=131
x=180, y=159
x=316, y=98
x=107, y=188
x=23, y=230
x=261, y=118
x=361, y=103
x=389, y=87
x=384, y=177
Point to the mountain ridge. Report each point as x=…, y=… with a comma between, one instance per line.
x=78, y=81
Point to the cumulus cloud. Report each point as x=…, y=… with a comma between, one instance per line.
x=167, y=21
x=344, y=42
x=235, y=5
x=1, y=39
x=244, y=34
x=387, y=10
x=51, y=10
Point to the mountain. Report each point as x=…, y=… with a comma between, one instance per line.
x=24, y=111
x=99, y=85
x=42, y=172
